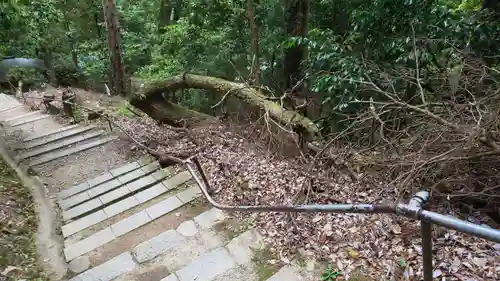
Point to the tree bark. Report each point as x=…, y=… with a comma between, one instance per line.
x=151, y=101
x=493, y=5
x=50, y=73
x=117, y=69
x=176, y=13
x=296, y=26
x=165, y=14
x=254, y=31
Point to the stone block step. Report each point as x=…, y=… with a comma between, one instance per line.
x=13, y=112
x=114, y=188
x=7, y=102
x=200, y=254
x=30, y=119
x=23, y=116
x=10, y=107
x=109, y=270
x=56, y=136
x=60, y=144
x=287, y=273
x=208, y=266
x=65, y=152
x=128, y=224
x=177, y=248
x=118, y=207
x=104, y=177
x=46, y=134
x=193, y=252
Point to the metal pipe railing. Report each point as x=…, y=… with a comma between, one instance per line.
x=414, y=210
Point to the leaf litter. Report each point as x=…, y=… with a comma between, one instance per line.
x=18, y=225
x=241, y=170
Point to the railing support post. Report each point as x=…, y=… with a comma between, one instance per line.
x=418, y=202
x=426, y=231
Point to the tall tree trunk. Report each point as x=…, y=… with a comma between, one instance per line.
x=46, y=54
x=165, y=14
x=176, y=11
x=493, y=5
x=255, y=76
x=296, y=26
x=117, y=77
x=74, y=56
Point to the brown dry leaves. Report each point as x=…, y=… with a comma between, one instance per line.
x=18, y=224
x=383, y=246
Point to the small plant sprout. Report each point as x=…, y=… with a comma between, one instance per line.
x=330, y=274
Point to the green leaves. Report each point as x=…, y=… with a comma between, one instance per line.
x=330, y=274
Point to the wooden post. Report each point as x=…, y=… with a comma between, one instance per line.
x=117, y=69
x=68, y=100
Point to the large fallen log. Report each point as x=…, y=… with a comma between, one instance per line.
x=151, y=101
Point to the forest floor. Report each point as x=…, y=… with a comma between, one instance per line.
x=18, y=226
x=243, y=170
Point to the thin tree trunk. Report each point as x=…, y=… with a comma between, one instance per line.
x=46, y=53
x=255, y=42
x=165, y=15
x=117, y=69
x=74, y=56
x=296, y=26
x=176, y=11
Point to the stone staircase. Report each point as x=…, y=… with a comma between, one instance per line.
x=129, y=219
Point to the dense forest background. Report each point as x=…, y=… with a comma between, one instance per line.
x=408, y=87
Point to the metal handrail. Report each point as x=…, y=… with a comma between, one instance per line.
x=414, y=210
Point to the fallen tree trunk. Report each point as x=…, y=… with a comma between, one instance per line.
x=169, y=113
x=151, y=101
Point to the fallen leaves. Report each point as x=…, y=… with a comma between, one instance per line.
x=18, y=256
x=241, y=171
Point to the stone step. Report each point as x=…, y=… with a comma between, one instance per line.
x=180, y=247
x=9, y=107
x=56, y=137
x=109, y=270
x=49, y=133
x=65, y=152
x=121, y=206
x=196, y=235
x=287, y=273
x=34, y=128
x=60, y=144
x=27, y=120
x=226, y=263
x=24, y=116
x=112, y=189
x=106, y=177
x=7, y=102
x=130, y=223
x=13, y=112
x=195, y=251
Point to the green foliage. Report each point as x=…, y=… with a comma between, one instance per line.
x=348, y=41
x=28, y=76
x=122, y=110
x=384, y=35
x=330, y=274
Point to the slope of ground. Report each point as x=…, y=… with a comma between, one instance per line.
x=18, y=225
x=242, y=170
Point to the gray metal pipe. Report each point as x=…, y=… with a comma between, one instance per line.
x=411, y=210
x=334, y=208
x=460, y=225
